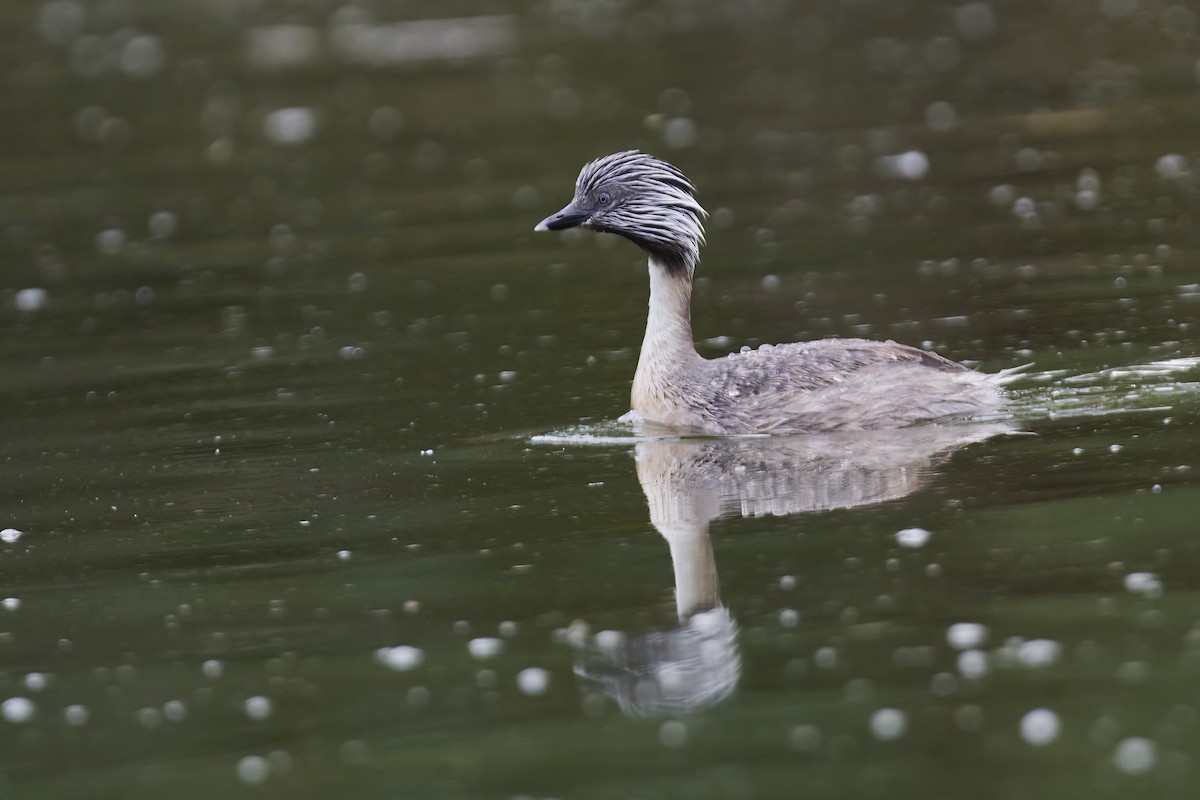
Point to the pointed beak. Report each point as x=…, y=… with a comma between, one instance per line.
x=569, y=217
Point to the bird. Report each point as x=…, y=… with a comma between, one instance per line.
x=815, y=386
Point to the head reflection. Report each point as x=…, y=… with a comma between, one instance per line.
x=690, y=482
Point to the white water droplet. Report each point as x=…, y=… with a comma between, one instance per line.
x=1135, y=755
x=533, y=681
x=253, y=769
x=401, y=658
x=966, y=635
x=912, y=537
x=17, y=709
x=485, y=647
x=1040, y=727
x=257, y=707
x=888, y=724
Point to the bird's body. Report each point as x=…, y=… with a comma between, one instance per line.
x=823, y=385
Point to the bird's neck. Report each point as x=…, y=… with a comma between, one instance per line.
x=667, y=349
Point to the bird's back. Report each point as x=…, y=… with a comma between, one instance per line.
x=833, y=384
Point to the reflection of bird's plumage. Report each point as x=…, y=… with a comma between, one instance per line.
x=701, y=479
x=690, y=482
x=693, y=666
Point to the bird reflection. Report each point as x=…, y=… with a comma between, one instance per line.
x=690, y=482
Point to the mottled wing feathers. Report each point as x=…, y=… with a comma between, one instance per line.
x=841, y=384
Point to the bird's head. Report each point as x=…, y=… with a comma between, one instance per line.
x=642, y=198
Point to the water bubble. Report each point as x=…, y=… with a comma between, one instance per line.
x=965, y=635
x=149, y=717
x=290, y=126
x=10, y=535
x=973, y=664
x=974, y=21
x=485, y=647
x=163, y=224
x=1040, y=727
x=142, y=57
x=35, y=681
x=912, y=165
x=11, y=603
x=402, y=658
x=940, y=117
x=680, y=132
x=533, y=681
x=1146, y=584
x=826, y=657
x=61, y=21
x=76, y=715
x=912, y=537
x=212, y=668
x=175, y=710
x=1037, y=653
x=674, y=101
x=673, y=733
x=114, y=133
x=257, y=707
x=805, y=738
x=1024, y=208
x=1135, y=756
x=110, y=242
x=1002, y=195
x=30, y=299
x=17, y=709
x=253, y=769
x=1170, y=166
x=789, y=617
x=1087, y=200
x=888, y=724
x=1029, y=159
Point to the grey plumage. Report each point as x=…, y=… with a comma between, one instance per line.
x=826, y=385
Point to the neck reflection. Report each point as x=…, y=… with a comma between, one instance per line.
x=688, y=483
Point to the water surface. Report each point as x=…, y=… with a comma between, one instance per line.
x=312, y=448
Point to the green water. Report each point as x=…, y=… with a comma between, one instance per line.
x=299, y=388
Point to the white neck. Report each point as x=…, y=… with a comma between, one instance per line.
x=668, y=347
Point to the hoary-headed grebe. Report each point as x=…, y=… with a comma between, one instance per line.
x=824, y=385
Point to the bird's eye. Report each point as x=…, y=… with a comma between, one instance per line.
x=605, y=198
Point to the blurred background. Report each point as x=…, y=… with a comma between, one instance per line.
x=311, y=485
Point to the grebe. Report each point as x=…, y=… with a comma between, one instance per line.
x=823, y=385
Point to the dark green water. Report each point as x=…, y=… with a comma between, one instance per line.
x=283, y=399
